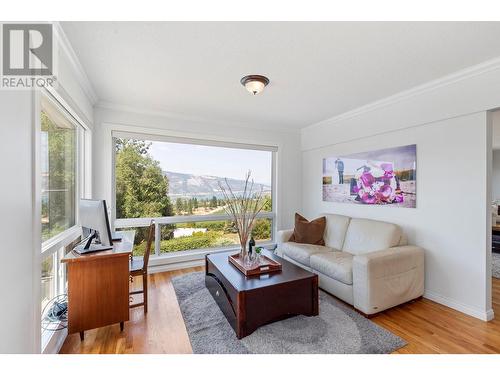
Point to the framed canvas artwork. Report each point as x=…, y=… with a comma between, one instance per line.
x=381, y=177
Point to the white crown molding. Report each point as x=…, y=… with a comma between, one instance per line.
x=182, y=117
x=80, y=75
x=447, y=80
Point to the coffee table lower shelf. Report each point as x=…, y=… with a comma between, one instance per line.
x=249, y=303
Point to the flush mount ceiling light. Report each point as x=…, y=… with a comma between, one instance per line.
x=254, y=83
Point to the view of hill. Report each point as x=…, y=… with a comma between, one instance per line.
x=183, y=185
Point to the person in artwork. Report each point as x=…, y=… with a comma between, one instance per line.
x=339, y=164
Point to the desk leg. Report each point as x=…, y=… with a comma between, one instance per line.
x=82, y=335
x=122, y=324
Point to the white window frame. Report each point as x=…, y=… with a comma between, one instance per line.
x=53, y=245
x=157, y=257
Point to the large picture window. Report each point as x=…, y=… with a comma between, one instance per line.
x=178, y=184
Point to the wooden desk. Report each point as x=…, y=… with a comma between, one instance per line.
x=98, y=286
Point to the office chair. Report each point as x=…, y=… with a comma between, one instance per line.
x=139, y=267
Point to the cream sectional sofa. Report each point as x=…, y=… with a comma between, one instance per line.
x=366, y=263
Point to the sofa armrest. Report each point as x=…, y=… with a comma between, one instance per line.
x=284, y=235
x=386, y=278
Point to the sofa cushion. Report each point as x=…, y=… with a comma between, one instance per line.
x=309, y=232
x=336, y=228
x=364, y=236
x=301, y=252
x=335, y=264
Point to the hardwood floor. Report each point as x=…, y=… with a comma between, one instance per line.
x=161, y=330
x=427, y=326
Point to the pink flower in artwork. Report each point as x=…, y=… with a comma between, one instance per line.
x=385, y=191
x=399, y=196
x=368, y=199
x=379, y=190
x=367, y=179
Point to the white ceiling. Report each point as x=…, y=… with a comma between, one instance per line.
x=317, y=70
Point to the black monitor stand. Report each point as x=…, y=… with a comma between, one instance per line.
x=86, y=246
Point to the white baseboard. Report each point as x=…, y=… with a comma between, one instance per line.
x=459, y=306
x=176, y=266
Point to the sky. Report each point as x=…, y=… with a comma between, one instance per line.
x=213, y=161
x=402, y=158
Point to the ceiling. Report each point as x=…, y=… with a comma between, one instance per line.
x=317, y=69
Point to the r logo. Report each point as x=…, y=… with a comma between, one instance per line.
x=27, y=49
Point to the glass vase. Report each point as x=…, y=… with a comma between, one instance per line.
x=243, y=252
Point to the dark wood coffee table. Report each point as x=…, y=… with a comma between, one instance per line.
x=251, y=302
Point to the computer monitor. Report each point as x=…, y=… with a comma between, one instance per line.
x=95, y=225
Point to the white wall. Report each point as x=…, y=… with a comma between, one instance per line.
x=288, y=158
x=449, y=123
x=18, y=310
x=450, y=215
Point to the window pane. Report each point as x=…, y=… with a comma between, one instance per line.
x=48, y=281
x=191, y=236
x=262, y=230
x=58, y=167
x=155, y=179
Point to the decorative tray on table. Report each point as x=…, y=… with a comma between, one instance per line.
x=265, y=265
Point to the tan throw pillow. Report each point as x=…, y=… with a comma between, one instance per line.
x=310, y=232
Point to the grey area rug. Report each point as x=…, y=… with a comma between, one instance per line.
x=337, y=328
x=495, y=267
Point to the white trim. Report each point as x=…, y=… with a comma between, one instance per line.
x=189, y=258
x=111, y=128
x=192, y=141
x=274, y=193
x=66, y=108
x=195, y=254
x=36, y=223
x=175, y=116
x=486, y=315
x=447, y=80
x=62, y=239
x=487, y=211
x=87, y=164
x=80, y=74
x=164, y=267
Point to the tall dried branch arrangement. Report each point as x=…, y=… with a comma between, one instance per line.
x=243, y=207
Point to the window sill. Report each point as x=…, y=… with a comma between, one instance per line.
x=189, y=258
x=60, y=240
